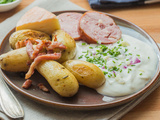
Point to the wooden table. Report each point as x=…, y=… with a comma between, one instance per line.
x=148, y=18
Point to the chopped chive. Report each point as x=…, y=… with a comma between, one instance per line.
x=104, y=72
x=118, y=42
x=133, y=65
x=126, y=50
x=129, y=70
x=114, y=74
x=80, y=57
x=109, y=75
x=120, y=64
x=83, y=43
x=140, y=74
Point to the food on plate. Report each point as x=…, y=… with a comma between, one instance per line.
x=25, y=34
x=38, y=19
x=105, y=59
x=42, y=87
x=68, y=41
x=86, y=73
x=69, y=22
x=126, y=65
x=98, y=27
x=60, y=79
x=27, y=84
x=15, y=60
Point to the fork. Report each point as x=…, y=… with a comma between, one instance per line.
x=8, y=101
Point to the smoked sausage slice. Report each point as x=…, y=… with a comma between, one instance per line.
x=69, y=22
x=99, y=27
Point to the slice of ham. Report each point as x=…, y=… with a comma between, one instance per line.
x=38, y=59
x=69, y=22
x=98, y=27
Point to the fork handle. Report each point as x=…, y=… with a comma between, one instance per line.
x=8, y=101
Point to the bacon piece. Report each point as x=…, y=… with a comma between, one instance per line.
x=22, y=43
x=43, y=87
x=38, y=59
x=29, y=48
x=56, y=45
x=50, y=46
x=27, y=84
x=37, y=49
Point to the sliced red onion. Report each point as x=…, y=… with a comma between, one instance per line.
x=114, y=72
x=125, y=67
x=137, y=61
x=103, y=67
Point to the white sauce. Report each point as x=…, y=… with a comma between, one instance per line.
x=128, y=66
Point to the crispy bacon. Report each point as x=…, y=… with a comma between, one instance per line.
x=50, y=46
x=54, y=45
x=37, y=49
x=38, y=59
x=29, y=48
x=36, y=53
x=22, y=43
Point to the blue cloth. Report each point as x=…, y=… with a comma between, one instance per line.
x=114, y=3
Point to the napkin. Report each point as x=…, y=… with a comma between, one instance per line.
x=118, y=3
x=36, y=111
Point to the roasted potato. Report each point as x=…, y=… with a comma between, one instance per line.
x=86, y=73
x=27, y=33
x=60, y=79
x=15, y=60
x=66, y=40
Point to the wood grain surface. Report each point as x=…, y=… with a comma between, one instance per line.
x=148, y=18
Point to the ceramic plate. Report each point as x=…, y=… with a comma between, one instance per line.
x=86, y=98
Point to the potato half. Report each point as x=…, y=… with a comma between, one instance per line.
x=86, y=73
x=27, y=33
x=68, y=41
x=15, y=60
x=60, y=79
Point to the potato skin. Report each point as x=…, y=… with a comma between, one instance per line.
x=68, y=41
x=15, y=60
x=27, y=33
x=86, y=73
x=59, y=78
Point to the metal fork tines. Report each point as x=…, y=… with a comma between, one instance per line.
x=9, y=103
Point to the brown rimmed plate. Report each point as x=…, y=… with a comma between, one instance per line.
x=86, y=98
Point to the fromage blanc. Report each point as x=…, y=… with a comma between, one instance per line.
x=127, y=64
